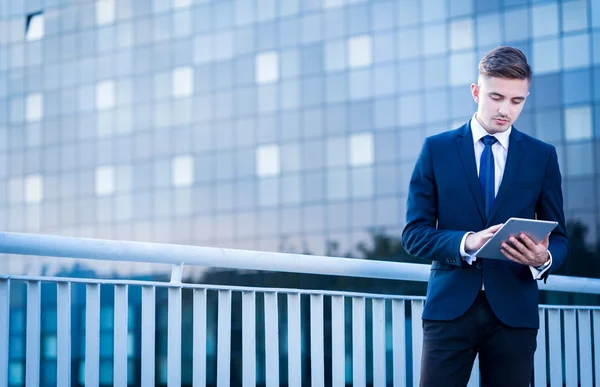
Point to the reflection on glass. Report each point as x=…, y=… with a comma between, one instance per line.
x=360, y=52
x=105, y=95
x=33, y=189
x=183, y=82
x=182, y=171
x=105, y=180
x=34, y=107
x=461, y=34
x=267, y=160
x=105, y=12
x=578, y=123
x=267, y=67
x=35, y=27
x=361, y=149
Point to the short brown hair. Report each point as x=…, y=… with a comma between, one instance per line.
x=505, y=62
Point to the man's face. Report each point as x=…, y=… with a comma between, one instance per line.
x=500, y=101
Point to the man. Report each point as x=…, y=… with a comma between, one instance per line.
x=465, y=184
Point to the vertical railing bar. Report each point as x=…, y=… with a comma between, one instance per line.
x=585, y=347
x=32, y=366
x=248, y=339
x=555, y=347
x=224, y=339
x=92, y=335
x=379, y=360
x=294, y=342
x=63, y=334
x=399, y=339
x=317, y=356
x=148, y=335
x=4, y=329
x=540, y=369
x=596, y=325
x=271, y=340
x=174, y=338
x=338, y=345
x=359, y=362
x=120, y=336
x=199, y=332
x=417, y=340
x=570, y=332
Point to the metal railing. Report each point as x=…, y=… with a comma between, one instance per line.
x=385, y=330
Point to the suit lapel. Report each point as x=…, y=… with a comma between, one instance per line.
x=467, y=155
x=513, y=160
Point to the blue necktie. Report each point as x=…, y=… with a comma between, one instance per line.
x=486, y=173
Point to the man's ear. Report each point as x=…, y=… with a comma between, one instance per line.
x=475, y=92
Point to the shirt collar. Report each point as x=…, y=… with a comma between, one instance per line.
x=478, y=133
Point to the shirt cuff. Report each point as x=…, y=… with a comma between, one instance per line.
x=468, y=258
x=537, y=274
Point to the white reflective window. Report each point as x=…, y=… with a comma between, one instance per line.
x=34, y=107
x=105, y=180
x=33, y=189
x=333, y=3
x=182, y=171
x=267, y=160
x=183, y=82
x=545, y=20
x=546, y=58
x=578, y=123
x=267, y=67
x=181, y=3
x=105, y=12
x=35, y=27
x=360, y=51
x=361, y=149
x=105, y=95
x=463, y=69
x=461, y=34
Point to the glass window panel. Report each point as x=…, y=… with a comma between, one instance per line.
x=461, y=34
x=580, y=159
x=314, y=222
x=488, y=30
x=268, y=192
x=312, y=28
x=549, y=125
x=335, y=55
x=336, y=87
x=182, y=171
x=337, y=184
x=360, y=84
x=312, y=91
x=223, y=45
x=546, y=90
x=409, y=76
x=385, y=113
x=35, y=27
x=545, y=20
x=386, y=179
x=362, y=182
x=410, y=109
x=361, y=149
x=384, y=48
x=382, y=15
x=290, y=64
x=183, y=82
x=576, y=52
x=436, y=72
x=360, y=53
x=290, y=95
x=49, y=346
x=385, y=80
x=337, y=152
x=105, y=180
x=409, y=43
x=463, y=68
x=410, y=144
x=223, y=14
x=333, y=3
x=291, y=189
x=362, y=214
x=578, y=123
x=577, y=87
x=267, y=36
x=244, y=12
x=105, y=95
x=267, y=67
x=267, y=99
x=182, y=23
x=436, y=106
x=267, y=160
x=35, y=107
x=574, y=15
x=16, y=373
x=33, y=189
x=359, y=18
x=290, y=158
x=105, y=12
x=516, y=24
x=288, y=32
x=434, y=39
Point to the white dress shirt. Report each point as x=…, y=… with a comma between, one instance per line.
x=500, y=151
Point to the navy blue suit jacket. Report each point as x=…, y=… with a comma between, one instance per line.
x=445, y=201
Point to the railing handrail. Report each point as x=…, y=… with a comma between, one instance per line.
x=112, y=250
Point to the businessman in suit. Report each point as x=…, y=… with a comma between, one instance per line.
x=465, y=184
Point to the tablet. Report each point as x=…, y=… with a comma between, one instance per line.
x=534, y=229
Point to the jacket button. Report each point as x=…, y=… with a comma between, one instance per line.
x=478, y=265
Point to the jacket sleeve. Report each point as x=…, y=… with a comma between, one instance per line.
x=550, y=207
x=420, y=236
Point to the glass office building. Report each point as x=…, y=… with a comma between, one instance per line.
x=264, y=124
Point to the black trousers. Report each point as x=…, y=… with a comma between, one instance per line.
x=450, y=347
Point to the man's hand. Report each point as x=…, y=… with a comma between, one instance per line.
x=478, y=239
x=524, y=251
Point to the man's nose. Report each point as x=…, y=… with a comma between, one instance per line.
x=503, y=108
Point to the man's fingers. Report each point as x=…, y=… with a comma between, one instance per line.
x=495, y=228
x=527, y=241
